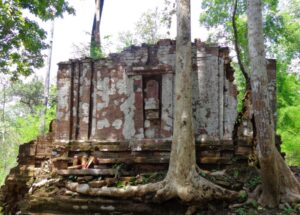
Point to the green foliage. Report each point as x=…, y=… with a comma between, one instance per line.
x=21, y=38
x=28, y=126
x=241, y=211
x=29, y=96
x=121, y=184
x=20, y=118
x=241, y=84
x=93, y=50
x=289, y=130
x=150, y=27
x=288, y=120
x=289, y=210
x=243, y=195
x=127, y=38
x=253, y=182
x=96, y=51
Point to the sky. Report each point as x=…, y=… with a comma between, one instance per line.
x=118, y=16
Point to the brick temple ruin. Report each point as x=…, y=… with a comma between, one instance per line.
x=118, y=111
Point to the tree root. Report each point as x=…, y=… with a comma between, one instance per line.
x=290, y=197
x=287, y=196
x=191, y=210
x=127, y=192
x=42, y=183
x=198, y=190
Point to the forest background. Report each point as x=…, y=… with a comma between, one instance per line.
x=22, y=92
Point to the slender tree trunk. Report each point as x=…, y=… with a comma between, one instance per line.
x=3, y=112
x=47, y=82
x=95, y=39
x=236, y=45
x=278, y=182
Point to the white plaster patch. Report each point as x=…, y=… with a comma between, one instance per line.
x=84, y=207
x=100, y=106
x=207, y=100
x=167, y=128
x=82, y=188
x=76, y=207
x=147, y=124
x=74, y=109
x=140, y=134
x=116, y=102
x=103, y=124
x=117, y=124
x=151, y=103
x=127, y=107
x=121, y=86
x=167, y=101
x=63, y=95
x=113, y=89
x=150, y=133
x=103, y=91
x=85, y=109
x=85, y=119
x=108, y=208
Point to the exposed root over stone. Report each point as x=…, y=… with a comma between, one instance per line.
x=42, y=183
x=198, y=191
x=195, y=189
x=126, y=192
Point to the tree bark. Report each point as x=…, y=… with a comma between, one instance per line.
x=47, y=82
x=182, y=179
x=278, y=182
x=237, y=48
x=95, y=39
x=183, y=158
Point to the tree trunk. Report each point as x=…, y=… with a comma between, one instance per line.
x=95, y=39
x=47, y=82
x=237, y=48
x=182, y=159
x=182, y=179
x=278, y=182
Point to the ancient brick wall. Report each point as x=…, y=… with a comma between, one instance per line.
x=131, y=95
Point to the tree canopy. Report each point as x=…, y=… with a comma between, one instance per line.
x=22, y=39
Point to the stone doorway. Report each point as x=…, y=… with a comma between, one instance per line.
x=152, y=106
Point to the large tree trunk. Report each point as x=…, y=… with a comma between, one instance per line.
x=182, y=160
x=278, y=182
x=182, y=179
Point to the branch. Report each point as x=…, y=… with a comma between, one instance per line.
x=237, y=48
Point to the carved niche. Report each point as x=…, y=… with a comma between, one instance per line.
x=152, y=105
